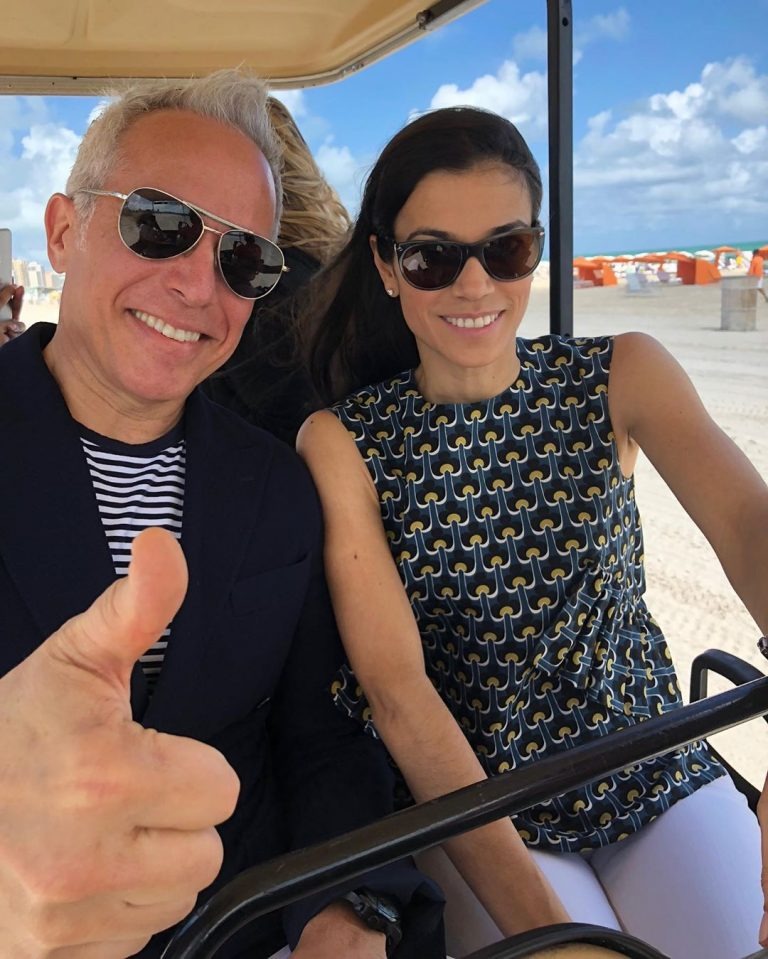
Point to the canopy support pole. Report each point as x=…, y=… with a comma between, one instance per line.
x=560, y=95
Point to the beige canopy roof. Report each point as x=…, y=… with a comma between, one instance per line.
x=77, y=46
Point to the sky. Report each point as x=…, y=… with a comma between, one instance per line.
x=670, y=118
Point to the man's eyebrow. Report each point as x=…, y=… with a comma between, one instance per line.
x=430, y=232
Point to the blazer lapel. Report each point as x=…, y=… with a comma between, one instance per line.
x=227, y=464
x=51, y=538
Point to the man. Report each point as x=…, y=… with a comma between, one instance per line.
x=106, y=825
x=756, y=266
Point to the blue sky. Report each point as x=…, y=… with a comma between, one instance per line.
x=670, y=118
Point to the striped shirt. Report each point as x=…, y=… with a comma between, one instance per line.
x=137, y=486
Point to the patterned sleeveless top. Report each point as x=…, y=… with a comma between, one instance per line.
x=519, y=544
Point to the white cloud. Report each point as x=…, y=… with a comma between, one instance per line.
x=293, y=100
x=530, y=45
x=521, y=98
x=695, y=158
x=612, y=26
x=35, y=157
x=752, y=140
x=344, y=172
x=50, y=150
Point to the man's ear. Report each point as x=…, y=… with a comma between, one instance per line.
x=60, y=229
x=385, y=270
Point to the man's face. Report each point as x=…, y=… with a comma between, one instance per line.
x=112, y=299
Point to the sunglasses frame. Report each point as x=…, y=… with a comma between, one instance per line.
x=468, y=250
x=201, y=212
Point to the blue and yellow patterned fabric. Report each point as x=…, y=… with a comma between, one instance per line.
x=519, y=544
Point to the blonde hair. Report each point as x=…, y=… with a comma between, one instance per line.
x=234, y=97
x=314, y=219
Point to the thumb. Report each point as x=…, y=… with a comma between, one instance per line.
x=129, y=616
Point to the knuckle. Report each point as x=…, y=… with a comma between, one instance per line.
x=49, y=926
x=51, y=888
x=209, y=857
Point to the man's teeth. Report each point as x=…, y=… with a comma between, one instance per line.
x=183, y=336
x=471, y=322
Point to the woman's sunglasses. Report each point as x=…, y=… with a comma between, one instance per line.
x=157, y=226
x=435, y=264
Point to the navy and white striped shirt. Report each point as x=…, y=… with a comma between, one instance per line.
x=138, y=486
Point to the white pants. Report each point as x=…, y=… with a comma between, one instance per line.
x=688, y=883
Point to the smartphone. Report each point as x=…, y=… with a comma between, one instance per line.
x=6, y=275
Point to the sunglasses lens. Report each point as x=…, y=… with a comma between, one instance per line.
x=157, y=226
x=431, y=266
x=250, y=264
x=512, y=256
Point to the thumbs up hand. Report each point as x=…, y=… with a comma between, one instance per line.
x=106, y=828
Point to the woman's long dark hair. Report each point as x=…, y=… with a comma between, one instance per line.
x=351, y=332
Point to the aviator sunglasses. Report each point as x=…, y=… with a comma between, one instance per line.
x=435, y=264
x=158, y=226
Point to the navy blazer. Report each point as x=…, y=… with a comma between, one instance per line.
x=254, y=647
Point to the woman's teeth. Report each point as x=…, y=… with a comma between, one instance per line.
x=183, y=336
x=471, y=322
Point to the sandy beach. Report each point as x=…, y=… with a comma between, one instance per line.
x=687, y=590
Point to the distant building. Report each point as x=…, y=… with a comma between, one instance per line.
x=40, y=283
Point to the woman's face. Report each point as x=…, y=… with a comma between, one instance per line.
x=465, y=332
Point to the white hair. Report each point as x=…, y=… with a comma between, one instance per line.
x=234, y=97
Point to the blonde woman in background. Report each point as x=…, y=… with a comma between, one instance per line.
x=261, y=381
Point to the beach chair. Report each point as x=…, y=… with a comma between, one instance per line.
x=668, y=279
x=637, y=283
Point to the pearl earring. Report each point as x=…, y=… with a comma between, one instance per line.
x=390, y=291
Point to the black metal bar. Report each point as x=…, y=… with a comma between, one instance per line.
x=737, y=671
x=730, y=667
x=560, y=98
x=274, y=884
x=525, y=944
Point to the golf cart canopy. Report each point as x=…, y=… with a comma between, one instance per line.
x=78, y=46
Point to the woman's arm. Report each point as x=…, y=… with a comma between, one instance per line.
x=655, y=407
x=384, y=649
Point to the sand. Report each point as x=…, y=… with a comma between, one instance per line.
x=687, y=590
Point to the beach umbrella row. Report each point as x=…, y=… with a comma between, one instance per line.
x=698, y=268
x=690, y=269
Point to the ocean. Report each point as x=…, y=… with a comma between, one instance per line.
x=746, y=245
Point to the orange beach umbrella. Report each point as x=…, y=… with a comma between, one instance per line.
x=597, y=271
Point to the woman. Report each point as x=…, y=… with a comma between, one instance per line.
x=485, y=554
x=262, y=381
